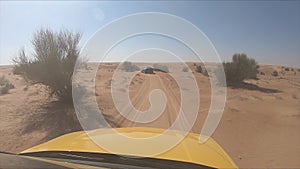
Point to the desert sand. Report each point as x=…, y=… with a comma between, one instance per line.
x=259, y=128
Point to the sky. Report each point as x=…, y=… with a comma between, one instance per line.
x=268, y=31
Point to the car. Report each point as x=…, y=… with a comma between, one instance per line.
x=77, y=149
x=148, y=70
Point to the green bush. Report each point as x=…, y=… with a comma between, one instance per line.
x=5, y=85
x=52, y=63
x=275, y=73
x=160, y=67
x=239, y=69
x=129, y=67
x=199, y=69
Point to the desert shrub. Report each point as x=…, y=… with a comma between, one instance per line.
x=5, y=85
x=161, y=67
x=185, y=69
x=287, y=69
x=129, y=67
x=53, y=61
x=3, y=81
x=275, y=73
x=199, y=69
x=205, y=73
x=239, y=69
x=21, y=63
x=298, y=70
x=17, y=70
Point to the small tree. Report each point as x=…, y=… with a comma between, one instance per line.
x=53, y=61
x=239, y=69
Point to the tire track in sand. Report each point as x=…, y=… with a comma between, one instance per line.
x=140, y=100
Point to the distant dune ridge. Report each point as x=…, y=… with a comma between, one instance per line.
x=259, y=128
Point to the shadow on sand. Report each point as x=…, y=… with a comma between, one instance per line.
x=54, y=118
x=250, y=86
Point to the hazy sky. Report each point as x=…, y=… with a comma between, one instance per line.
x=267, y=31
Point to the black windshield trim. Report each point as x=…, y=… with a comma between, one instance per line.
x=116, y=159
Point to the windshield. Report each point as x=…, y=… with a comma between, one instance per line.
x=158, y=80
x=113, y=161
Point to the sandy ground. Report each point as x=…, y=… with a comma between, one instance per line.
x=259, y=128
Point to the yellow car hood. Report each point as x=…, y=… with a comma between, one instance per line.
x=187, y=150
